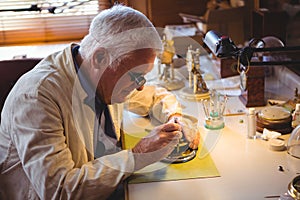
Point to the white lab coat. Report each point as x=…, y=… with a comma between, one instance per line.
x=46, y=135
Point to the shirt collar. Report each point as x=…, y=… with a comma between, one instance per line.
x=91, y=100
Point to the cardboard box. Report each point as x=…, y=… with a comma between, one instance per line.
x=184, y=36
x=228, y=22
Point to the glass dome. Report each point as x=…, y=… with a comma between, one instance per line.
x=293, y=145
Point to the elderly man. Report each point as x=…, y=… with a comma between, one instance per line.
x=60, y=127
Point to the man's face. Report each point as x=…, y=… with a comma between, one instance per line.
x=117, y=83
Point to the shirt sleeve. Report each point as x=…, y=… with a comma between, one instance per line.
x=153, y=101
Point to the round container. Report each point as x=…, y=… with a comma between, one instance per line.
x=276, y=144
x=274, y=118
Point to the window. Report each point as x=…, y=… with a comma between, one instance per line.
x=36, y=21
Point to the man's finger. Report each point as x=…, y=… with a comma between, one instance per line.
x=195, y=142
x=169, y=127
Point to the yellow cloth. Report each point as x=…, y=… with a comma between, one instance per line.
x=199, y=167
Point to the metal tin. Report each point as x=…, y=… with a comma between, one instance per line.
x=294, y=188
x=274, y=113
x=274, y=118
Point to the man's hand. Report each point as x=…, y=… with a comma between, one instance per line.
x=157, y=145
x=190, y=131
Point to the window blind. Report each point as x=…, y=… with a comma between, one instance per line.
x=36, y=21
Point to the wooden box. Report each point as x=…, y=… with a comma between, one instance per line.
x=255, y=93
x=228, y=67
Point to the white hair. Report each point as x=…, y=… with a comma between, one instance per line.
x=120, y=30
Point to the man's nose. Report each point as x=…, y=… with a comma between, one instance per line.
x=140, y=88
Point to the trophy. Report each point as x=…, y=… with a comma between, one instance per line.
x=165, y=64
x=197, y=88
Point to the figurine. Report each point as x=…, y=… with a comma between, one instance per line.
x=197, y=88
x=201, y=86
x=167, y=74
x=166, y=58
x=189, y=64
x=168, y=52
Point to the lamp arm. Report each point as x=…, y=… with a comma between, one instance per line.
x=246, y=54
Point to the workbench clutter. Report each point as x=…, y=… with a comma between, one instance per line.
x=251, y=61
x=177, y=63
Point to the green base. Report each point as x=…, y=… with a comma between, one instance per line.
x=215, y=127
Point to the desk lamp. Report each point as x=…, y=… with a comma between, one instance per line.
x=252, y=81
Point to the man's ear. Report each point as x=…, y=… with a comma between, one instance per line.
x=100, y=58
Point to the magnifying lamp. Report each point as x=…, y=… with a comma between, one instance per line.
x=222, y=46
x=252, y=81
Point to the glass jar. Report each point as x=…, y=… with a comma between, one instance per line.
x=293, y=145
